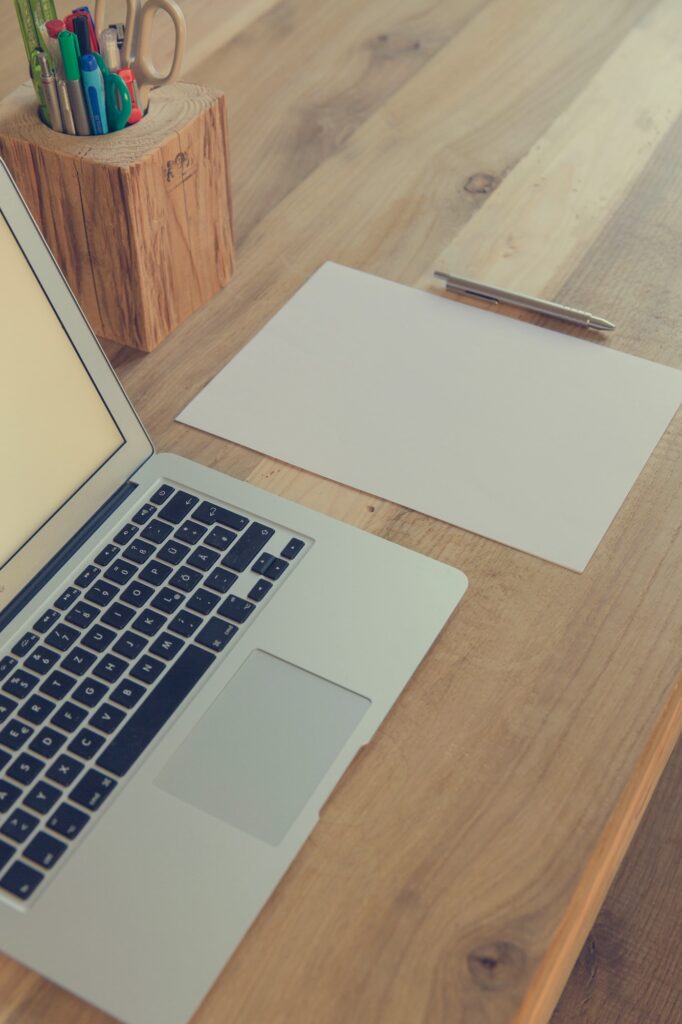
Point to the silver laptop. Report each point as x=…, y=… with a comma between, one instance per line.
x=187, y=667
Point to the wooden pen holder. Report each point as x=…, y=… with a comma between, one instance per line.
x=140, y=221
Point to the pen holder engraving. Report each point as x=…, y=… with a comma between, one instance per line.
x=140, y=221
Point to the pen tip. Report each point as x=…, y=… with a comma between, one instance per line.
x=601, y=325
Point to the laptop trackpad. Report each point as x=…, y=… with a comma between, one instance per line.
x=262, y=747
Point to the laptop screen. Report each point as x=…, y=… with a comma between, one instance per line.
x=55, y=429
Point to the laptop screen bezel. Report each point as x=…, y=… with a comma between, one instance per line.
x=136, y=446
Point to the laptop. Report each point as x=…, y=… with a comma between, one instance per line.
x=188, y=665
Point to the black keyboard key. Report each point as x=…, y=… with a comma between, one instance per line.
x=6, y=852
x=8, y=795
x=90, y=573
x=236, y=608
x=44, y=850
x=21, y=880
x=47, y=742
x=129, y=645
x=275, y=569
x=259, y=590
x=173, y=552
x=215, y=515
x=107, y=554
x=69, y=716
x=149, y=622
x=156, y=531
x=203, y=601
x=220, y=538
x=25, y=768
x=67, y=821
x=150, y=717
x=121, y=572
x=57, y=684
x=24, y=645
x=92, y=790
x=127, y=694
x=64, y=770
x=185, y=623
x=90, y=693
x=139, y=552
x=42, y=797
x=167, y=600
x=175, y=510
x=117, y=615
x=147, y=669
x=185, y=579
x=78, y=661
x=203, y=558
x=67, y=598
x=291, y=549
x=6, y=665
x=106, y=719
x=82, y=614
x=163, y=494
x=98, y=638
x=86, y=744
x=221, y=580
x=243, y=552
x=20, y=683
x=145, y=513
x=190, y=533
x=261, y=564
x=14, y=734
x=43, y=623
x=62, y=637
x=137, y=594
x=110, y=668
x=125, y=533
x=41, y=660
x=36, y=709
x=216, y=634
x=7, y=706
x=102, y=593
x=4, y=758
x=19, y=825
x=167, y=646
x=156, y=573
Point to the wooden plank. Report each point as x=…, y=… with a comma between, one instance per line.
x=630, y=967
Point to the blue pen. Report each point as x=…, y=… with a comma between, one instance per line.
x=93, y=90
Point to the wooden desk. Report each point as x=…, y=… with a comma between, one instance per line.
x=538, y=145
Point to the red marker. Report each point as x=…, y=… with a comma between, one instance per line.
x=129, y=78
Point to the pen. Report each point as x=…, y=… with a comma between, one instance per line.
x=68, y=44
x=53, y=29
x=108, y=44
x=93, y=87
x=65, y=107
x=49, y=83
x=460, y=286
x=81, y=27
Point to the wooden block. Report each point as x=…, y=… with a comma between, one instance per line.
x=140, y=221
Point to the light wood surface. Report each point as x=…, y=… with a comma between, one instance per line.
x=629, y=970
x=458, y=867
x=139, y=220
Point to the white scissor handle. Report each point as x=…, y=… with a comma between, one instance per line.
x=145, y=72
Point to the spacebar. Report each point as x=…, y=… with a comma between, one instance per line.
x=152, y=715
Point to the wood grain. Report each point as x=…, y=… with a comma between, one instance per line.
x=459, y=865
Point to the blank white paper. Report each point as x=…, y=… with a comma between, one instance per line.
x=515, y=432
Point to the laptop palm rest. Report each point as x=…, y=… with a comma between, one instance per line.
x=262, y=747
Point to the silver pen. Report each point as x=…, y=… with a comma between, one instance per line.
x=49, y=84
x=65, y=107
x=460, y=286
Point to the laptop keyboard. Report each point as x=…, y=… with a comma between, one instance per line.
x=85, y=691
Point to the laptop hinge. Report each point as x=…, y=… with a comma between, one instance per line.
x=54, y=565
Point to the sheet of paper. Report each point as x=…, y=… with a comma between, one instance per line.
x=519, y=433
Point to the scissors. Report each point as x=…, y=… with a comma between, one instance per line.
x=136, y=53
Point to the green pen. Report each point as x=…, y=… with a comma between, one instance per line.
x=118, y=102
